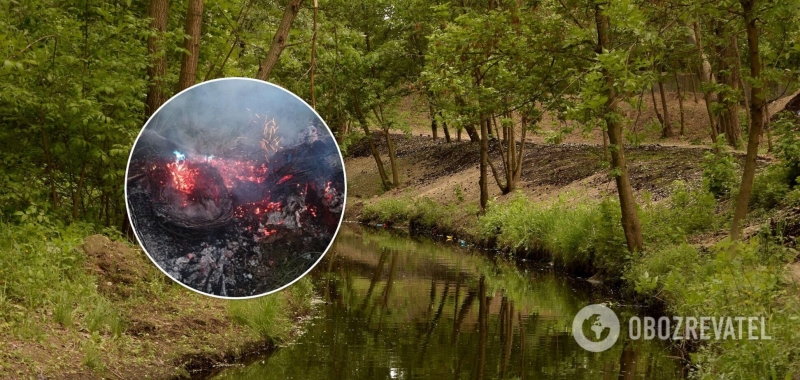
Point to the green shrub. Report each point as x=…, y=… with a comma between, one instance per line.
x=770, y=187
x=686, y=212
x=720, y=170
x=788, y=145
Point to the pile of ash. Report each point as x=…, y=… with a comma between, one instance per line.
x=237, y=238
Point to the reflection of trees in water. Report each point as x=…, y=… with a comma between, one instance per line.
x=389, y=313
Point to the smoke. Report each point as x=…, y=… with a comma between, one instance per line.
x=226, y=117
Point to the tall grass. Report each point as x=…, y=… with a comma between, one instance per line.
x=271, y=316
x=266, y=316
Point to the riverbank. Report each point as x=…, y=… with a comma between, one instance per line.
x=91, y=307
x=565, y=212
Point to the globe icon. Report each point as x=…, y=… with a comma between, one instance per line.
x=602, y=322
x=597, y=326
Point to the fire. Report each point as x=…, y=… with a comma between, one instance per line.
x=182, y=176
x=284, y=179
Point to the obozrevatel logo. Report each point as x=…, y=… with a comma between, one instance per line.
x=595, y=328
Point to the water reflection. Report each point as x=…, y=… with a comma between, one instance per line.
x=400, y=309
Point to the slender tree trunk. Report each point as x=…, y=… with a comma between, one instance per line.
x=694, y=86
x=705, y=77
x=484, y=142
x=445, y=130
x=194, y=22
x=726, y=74
x=157, y=10
x=655, y=107
x=279, y=40
x=314, y=57
x=667, y=132
x=381, y=170
x=757, y=121
x=458, y=134
x=433, y=122
x=680, y=102
x=630, y=218
x=737, y=59
x=392, y=158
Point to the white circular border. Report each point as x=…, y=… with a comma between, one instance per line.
x=603, y=312
x=335, y=234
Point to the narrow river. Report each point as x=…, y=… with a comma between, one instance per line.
x=397, y=308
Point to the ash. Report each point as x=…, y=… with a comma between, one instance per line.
x=235, y=235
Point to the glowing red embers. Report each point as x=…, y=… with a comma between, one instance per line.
x=284, y=179
x=183, y=177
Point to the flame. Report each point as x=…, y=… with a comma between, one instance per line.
x=182, y=177
x=284, y=179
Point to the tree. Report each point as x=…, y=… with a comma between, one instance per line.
x=630, y=218
x=279, y=40
x=158, y=11
x=757, y=117
x=194, y=22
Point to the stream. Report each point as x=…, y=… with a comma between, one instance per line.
x=402, y=308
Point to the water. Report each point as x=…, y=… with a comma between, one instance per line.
x=396, y=308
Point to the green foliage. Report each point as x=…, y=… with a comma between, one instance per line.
x=733, y=279
x=720, y=170
x=788, y=145
x=770, y=188
x=686, y=212
x=422, y=212
x=387, y=210
x=567, y=229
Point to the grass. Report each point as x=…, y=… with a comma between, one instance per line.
x=271, y=316
x=723, y=279
x=420, y=213
x=52, y=308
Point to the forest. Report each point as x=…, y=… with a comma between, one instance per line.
x=649, y=145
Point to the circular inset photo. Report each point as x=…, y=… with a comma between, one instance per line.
x=235, y=188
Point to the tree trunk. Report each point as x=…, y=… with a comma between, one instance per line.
x=705, y=77
x=381, y=170
x=484, y=141
x=655, y=107
x=445, y=130
x=433, y=122
x=694, y=87
x=680, y=103
x=157, y=10
x=726, y=74
x=279, y=41
x=737, y=59
x=392, y=158
x=194, y=22
x=314, y=57
x=667, y=131
x=630, y=218
x=757, y=120
x=472, y=133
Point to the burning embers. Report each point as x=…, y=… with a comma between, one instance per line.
x=250, y=218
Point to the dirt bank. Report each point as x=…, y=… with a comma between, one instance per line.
x=165, y=331
x=446, y=171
